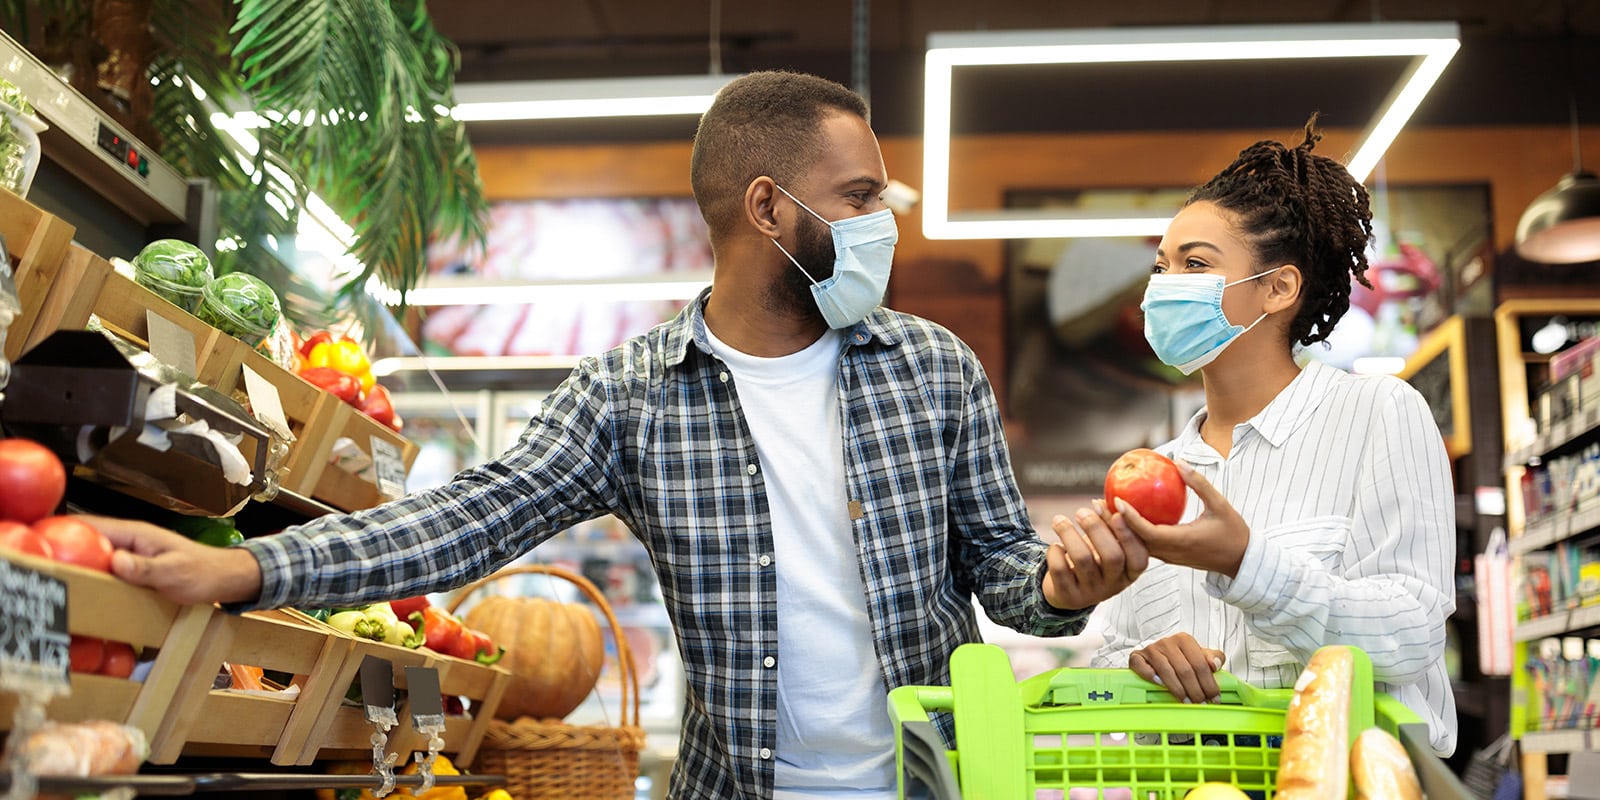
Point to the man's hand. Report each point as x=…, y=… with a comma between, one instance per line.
x=183, y=571
x=1091, y=562
x=1180, y=664
x=1215, y=541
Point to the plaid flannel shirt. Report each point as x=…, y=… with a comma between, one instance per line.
x=652, y=432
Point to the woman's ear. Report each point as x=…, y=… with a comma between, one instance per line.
x=759, y=207
x=1283, y=289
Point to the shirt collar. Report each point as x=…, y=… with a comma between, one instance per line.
x=689, y=327
x=1280, y=418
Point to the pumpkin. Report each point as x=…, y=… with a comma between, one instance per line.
x=553, y=652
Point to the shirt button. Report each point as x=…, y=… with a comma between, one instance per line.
x=765, y=561
x=751, y=469
x=723, y=377
x=769, y=662
x=766, y=754
x=861, y=338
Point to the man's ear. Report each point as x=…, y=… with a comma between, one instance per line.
x=759, y=206
x=1284, y=288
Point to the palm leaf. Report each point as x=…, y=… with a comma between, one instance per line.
x=367, y=76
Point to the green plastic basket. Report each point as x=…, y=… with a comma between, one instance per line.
x=1087, y=733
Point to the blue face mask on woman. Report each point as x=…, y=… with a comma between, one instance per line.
x=1183, y=319
x=863, y=250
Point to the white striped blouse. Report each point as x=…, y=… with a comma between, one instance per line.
x=1346, y=487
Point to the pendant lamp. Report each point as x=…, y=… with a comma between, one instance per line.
x=1562, y=226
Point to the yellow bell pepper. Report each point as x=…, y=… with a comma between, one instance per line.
x=343, y=355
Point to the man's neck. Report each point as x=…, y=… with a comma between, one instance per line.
x=736, y=312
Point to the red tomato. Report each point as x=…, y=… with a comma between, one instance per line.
x=21, y=538
x=1150, y=482
x=119, y=660
x=86, y=653
x=32, y=481
x=73, y=541
x=378, y=406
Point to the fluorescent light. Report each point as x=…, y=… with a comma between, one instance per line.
x=452, y=291
x=581, y=99
x=1430, y=45
x=388, y=366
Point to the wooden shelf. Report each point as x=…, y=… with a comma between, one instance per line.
x=1573, y=741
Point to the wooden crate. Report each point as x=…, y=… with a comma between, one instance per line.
x=310, y=412
x=105, y=607
x=91, y=287
x=337, y=487
x=37, y=243
x=480, y=684
x=215, y=722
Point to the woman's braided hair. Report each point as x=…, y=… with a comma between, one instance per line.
x=1302, y=209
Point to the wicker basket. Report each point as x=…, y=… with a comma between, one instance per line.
x=547, y=758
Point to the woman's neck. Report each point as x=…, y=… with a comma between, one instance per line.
x=1239, y=390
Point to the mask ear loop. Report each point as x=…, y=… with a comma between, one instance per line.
x=792, y=259
x=795, y=262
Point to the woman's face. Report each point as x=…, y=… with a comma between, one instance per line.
x=1203, y=239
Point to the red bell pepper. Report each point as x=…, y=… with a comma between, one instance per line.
x=439, y=631
x=482, y=647
x=342, y=386
x=379, y=406
x=411, y=605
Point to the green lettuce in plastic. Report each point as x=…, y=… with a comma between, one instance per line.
x=174, y=269
x=12, y=96
x=240, y=305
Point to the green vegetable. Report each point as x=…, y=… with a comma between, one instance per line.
x=217, y=532
x=175, y=270
x=13, y=155
x=376, y=622
x=240, y=305
x=319, y=614
x=11, y=95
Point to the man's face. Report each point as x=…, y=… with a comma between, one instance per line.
x=845, y=182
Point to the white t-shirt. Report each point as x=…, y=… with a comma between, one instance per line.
x=834, y=736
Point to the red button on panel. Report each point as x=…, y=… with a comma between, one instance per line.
x=133, y=157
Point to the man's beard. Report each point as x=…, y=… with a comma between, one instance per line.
x=791, y=294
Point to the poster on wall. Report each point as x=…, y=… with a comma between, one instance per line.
x=556, y=240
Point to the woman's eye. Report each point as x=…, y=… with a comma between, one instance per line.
x=1193, y=264
x=1157, y=269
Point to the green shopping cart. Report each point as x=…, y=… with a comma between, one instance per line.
x=1089, y=733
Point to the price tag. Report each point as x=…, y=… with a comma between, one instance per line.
x=33, y=626
x=265, y=403
x=422, y=686
x=170, y=343
x=377, y=688
x=391, y=470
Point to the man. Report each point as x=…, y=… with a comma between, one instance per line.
x=822, y=484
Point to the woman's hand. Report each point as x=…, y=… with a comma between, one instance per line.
x=1215, y=541
x=1181, y=665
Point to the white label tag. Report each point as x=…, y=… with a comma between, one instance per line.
x=265, y=402
x=391, y=470
x=170, y=343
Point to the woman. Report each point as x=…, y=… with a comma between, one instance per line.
x=1325, y=510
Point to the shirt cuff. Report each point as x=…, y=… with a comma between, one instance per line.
x=273, y=558
x=1264, y=576
x=1052, y=621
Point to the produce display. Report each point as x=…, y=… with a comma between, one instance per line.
x=32, y=481
x=1149, y=482
x=342, y=368
x=176, y=270
x=240, y=305
x=84, y=749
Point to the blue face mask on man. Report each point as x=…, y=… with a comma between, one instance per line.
x=863, y=250
x=1183, y=319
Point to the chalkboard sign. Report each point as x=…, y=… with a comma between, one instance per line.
x=33, y=625
x=1438, y=371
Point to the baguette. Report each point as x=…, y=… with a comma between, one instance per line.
x=1314, y=763
x=1381, y=769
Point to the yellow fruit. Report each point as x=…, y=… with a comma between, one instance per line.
x=1215, y=791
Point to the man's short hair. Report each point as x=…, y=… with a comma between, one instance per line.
x=764, y=123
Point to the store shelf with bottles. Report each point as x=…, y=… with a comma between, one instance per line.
x=1550, y=410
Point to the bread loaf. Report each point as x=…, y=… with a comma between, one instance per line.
x=1381, y=769
x=1314, y=763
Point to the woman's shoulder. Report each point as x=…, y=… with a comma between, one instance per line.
x=1365, y=391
